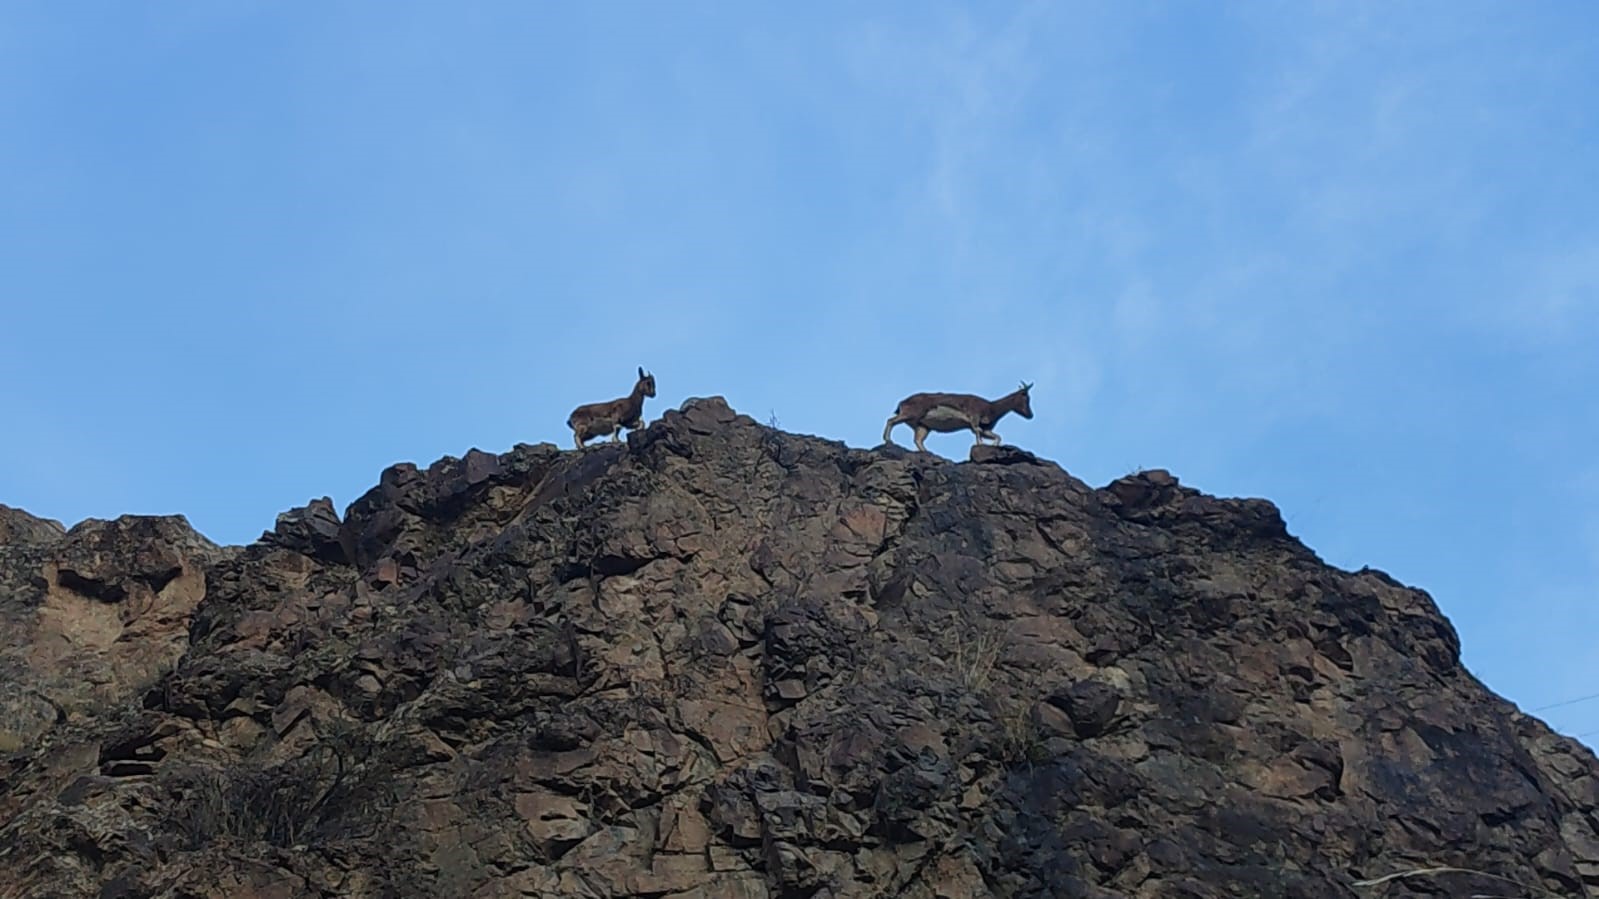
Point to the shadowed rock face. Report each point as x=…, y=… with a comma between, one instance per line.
x=18, y=528
x=723, y=661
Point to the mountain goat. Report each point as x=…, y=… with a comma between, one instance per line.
x=610, y=417
x=949, y=412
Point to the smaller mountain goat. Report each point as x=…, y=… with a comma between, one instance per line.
x=948, y=412
x=598, y=419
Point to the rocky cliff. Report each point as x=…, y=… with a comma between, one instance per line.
x=719, y=661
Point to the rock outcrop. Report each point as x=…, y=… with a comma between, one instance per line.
x=719, y=661
x=91, y=617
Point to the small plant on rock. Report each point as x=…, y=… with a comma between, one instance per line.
x=342, y=780
x=977, y=649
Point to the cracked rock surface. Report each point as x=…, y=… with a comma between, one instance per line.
x=718, y=661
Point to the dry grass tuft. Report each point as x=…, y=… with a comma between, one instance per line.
x=977, y=650
x=1521, y=889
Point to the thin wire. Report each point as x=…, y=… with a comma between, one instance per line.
x=1556, y=705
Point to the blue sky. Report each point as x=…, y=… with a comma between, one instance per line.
x=1341, y=255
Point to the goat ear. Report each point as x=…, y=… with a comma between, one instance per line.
x=641, y=372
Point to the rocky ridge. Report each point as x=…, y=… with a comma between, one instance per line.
x=720, y=660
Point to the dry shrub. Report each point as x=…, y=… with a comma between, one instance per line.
x=341, y=789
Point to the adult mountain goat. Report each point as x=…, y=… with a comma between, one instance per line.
x=948, y=412
x=598, y=419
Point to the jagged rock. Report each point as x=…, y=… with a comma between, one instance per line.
x=18, y=527
x=1091, y=706
x=312, y=530
x=992, y=454
x=717, y=660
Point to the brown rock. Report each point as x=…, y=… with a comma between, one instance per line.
x=92, y=617
x=554, y=821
